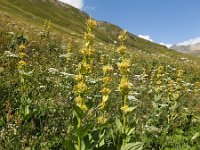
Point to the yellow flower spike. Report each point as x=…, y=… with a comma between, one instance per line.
x=170, y=85
x=22, y=55
x=89, y=36
x=84, y=68
x=121, y=49
x=84, y=107
x=122, y=36
x=22, y=64
x=124, y=66
x=91, y=23
x=79, y=78
x=179, y=76
x=22, y=48
x=81, y=87
x=107, y=80
x=107, y=69
x=180, y=73
x=160, y=69
x=105, y=91
x=124, y=86
x=78, y=100
x=87, y=51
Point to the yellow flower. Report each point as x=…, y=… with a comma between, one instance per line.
x=158, y=82
x=180, y=73
x=89, y=36
x=121, y=49
x=79, y=77
x=122, y=36
x=22, y=64
x=107, y=69
x=124, y=66
x=22, y=55
x=79, y=100
x=22, y=48
x=84, y=67
x=170, y=85
x=91, y=23
x=124, y=86
x=107, y=80
x=81, y=87
x=87, y=51
x=101, y=119
x=124, y=108
x=105, y=91
x=84, y=107
x=160, y=69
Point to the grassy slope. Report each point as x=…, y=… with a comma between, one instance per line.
x=71, y=21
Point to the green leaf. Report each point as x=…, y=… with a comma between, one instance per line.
x=131, y=131
x=119, y=124
x=133, y=146
x=69, y=145
x=2, y=122
x=79, y=112
x=130, y=109
x=83, y=130
x=195, y=136
x=154, y=104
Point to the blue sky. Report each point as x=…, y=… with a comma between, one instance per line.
x=166, y=21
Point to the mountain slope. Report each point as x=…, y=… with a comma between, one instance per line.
x=70, y=22
x=190, y=49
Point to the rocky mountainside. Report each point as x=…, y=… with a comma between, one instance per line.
x=190, y=49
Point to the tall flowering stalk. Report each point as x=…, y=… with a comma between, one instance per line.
x=124, y=86
x=69, y=50
x=47, y=28
x=23, y=87
x=84, y=68
x=105, y=92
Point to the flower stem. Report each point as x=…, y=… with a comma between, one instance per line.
x=79, y=138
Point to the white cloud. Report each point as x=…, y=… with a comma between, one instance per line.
x=190, y=42
x=167, y=45
x=76, y=3
x=146, y=37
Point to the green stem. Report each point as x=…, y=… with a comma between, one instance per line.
x=124, y=118
x=79, y=139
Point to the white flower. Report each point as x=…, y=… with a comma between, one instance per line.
x=10, y=54
x=52, y=70
x=25, y=73
x=66, y=74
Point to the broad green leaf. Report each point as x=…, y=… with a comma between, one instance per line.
x=131, y=131
x=83, y=130
x=69, y=145
x=79, y=112
x=119, y=124
x=195, y=136
x=133, y=146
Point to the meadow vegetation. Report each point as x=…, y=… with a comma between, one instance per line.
x=62, y=92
